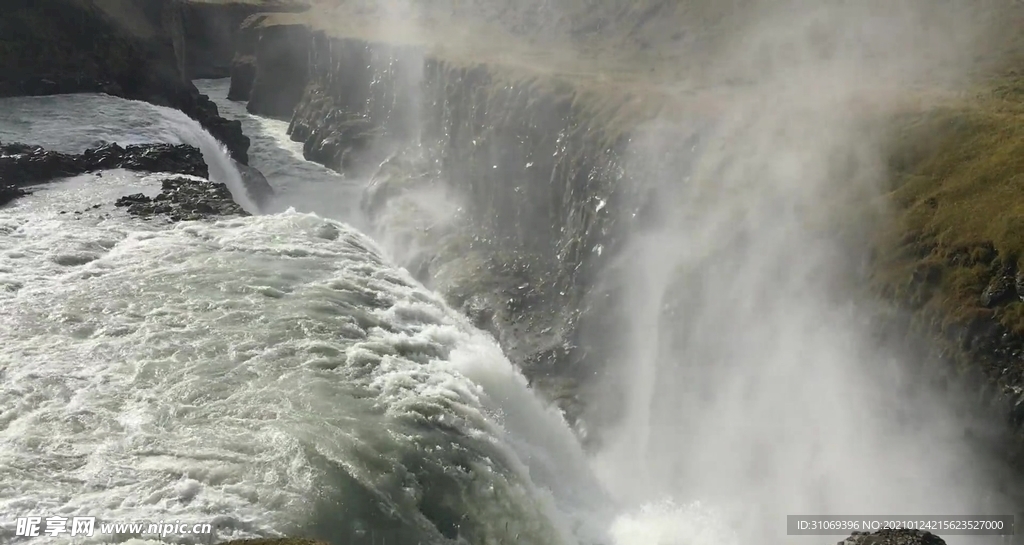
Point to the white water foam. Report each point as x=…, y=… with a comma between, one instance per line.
x=300, y=184
x=72, y=123
x=198, y=371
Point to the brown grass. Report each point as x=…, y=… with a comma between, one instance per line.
x=958, y=202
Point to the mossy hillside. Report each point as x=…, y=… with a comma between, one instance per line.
x=954, y=241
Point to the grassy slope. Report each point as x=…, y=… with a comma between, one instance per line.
x=958, y=197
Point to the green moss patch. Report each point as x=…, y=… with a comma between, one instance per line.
x=956, y=236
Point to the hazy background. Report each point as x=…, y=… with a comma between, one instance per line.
x=745, y=373
x=751, y=378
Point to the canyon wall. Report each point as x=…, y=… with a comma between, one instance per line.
x=124, y=48
x=537, y=163
x=546, y=181
x=548, y=186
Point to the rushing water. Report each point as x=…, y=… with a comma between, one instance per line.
x=272, y=374
x=277, y=375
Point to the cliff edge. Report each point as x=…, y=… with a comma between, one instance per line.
x=528, y=112
x=129, y=48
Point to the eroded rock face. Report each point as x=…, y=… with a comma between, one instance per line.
x=243, y=73
x=23, y=165
x=281, y=70
x=256, y=184
x=10, y=192
x=537, y=176
x=63, y=46
x=184, y=199
x=893, y=537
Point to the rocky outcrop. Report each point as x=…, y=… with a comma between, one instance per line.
x=22, y=165
x=124, y=49
x=211, y=33
x=10, y=192
x=243, y=73
x=271, y=68
x=184, y=199
x=893, y=537
x=275, y=541
x=256, y=184
x=538, y=162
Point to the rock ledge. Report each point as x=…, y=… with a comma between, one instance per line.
x=893, y=537
x=184, y=199
x=22, y=165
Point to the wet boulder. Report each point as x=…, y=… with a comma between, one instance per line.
x=9, y=192
x=179, y=159
x=893, y=537
x=106, y=156
x=256, y=184
x=23, y=165
x=184, y=199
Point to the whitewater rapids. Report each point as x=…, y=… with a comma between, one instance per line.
x=271, y=374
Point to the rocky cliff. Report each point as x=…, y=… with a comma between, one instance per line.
x=127, y=48
x=538, y=163
x=538, y=157
x=210, y=32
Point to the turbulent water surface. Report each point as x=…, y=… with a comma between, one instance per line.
x=272, y=374
x=278, y=375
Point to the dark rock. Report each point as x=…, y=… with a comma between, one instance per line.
x=137, y=198
x=211, y=33
x=893, y=537
x=64, y=46
x=9, y=192
x=330, y=137
x=22, y=165
x=1018, y=284
x=479, y=312
x=243, y=73
x=282, y=70
x=16, y=148
x=1001, y=289
x=179, y=159
x=256, y=184
x=106, y=157
x=184, y=199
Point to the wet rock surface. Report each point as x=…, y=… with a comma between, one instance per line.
x=280, y=72
x=132, y=50
x=23, y=165
x=256, y=184
x=210, y=31
x=184, y=199
x=10, y=192
x=243, y=73
x=893, y=537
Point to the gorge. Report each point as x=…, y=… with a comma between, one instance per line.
x=761, y=256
